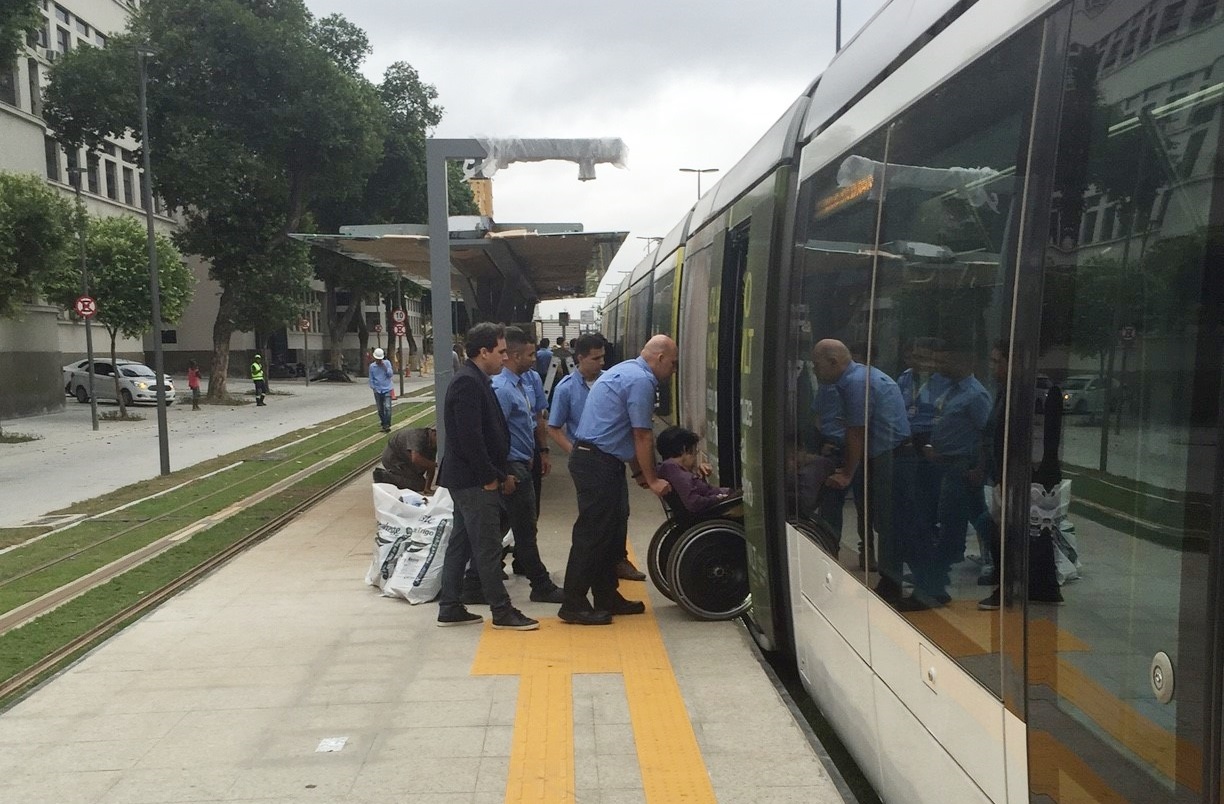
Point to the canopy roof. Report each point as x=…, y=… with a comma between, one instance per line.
x=544, y=261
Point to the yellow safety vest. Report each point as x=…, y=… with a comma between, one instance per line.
x=257, y=370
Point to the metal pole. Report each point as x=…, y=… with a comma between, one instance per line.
x=399, y=305
x=838, y=26
x=89, y=352
x=163, y=442
x=306, y=354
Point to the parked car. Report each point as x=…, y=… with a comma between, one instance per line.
x=1085, y=393
x=137, y=382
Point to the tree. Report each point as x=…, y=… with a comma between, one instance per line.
x=17, y=19
x=251, y=120
x=35, y=237
x=117, y=255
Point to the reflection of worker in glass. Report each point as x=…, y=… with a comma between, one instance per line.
x=876, y=446
x=921, y=385
x=961, y=414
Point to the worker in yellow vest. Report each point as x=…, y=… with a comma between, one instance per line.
x=257, y=376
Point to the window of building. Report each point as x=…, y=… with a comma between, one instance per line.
x=62, y=15
x=36, y=101
x=101, y=37
x=8, y=84
x=128, y=192
x=108, y=149
x=92, y=170
x=82, y=26
x=63, y=40
x=1170, y=21
x=53, y=164
x=112, y=181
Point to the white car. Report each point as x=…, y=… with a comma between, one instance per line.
x=1086, y=394
x=137, y=382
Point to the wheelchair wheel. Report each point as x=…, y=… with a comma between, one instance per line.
x=661, y=545
x=708, y=570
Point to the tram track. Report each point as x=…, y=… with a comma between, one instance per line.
x=26, y=616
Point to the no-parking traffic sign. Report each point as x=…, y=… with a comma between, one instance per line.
x=86, y=307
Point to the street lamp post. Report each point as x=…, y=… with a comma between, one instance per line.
x=75, y=173
x=698, y=171
x=163, y=442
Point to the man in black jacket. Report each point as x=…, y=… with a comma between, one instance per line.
x=474, y=470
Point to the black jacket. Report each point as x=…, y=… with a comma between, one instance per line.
x=477, y=438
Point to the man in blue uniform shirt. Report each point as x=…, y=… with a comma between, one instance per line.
x=518, y=403
x=381, y=374
x=875, y=441
x=544, y=357
x=615, y=429
x=569, y=400
x=475, y=471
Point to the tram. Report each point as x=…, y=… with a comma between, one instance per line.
x=996, y=204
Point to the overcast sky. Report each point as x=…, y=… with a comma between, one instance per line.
x=683, y=83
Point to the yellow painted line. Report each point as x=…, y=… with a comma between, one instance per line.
x=542, y=750
x=1057, y=772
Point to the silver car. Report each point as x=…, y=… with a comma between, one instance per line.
x=137, y=382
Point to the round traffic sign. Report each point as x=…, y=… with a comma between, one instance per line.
x=400, y=330
x=304, y=324
x=378, y=327
x=399, y=316
x=86, y=307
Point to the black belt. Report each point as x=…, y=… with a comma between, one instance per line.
x=596, y=452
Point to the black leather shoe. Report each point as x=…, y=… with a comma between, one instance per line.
x=622, y=606
x=460, y=617
x=627, y=572
x=553, y=595
x=584, y=617
x=511, y=619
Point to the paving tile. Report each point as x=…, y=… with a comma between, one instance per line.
x=394, y=780
x=494, y=770
x=321, y=779
x=433, y=742
x=618, y=771
x=61, y=788
x=497, y=741
x=167, y=785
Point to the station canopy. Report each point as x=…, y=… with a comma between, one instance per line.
x=539, y=261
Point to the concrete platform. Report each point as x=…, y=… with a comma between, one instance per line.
x=227, y=692
x=70, y=462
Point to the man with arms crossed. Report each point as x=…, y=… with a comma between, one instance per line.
x=615, y=429
x=474, y=469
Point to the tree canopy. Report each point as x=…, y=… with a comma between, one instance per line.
x=17, y=18
x=253, y=116
x=36, y=226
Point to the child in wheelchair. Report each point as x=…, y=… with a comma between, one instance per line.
x=679, y=449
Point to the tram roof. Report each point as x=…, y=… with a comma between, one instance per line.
x=554, y=259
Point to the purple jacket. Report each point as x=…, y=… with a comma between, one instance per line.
x=695, y=493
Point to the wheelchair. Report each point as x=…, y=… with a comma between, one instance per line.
x=700, y=561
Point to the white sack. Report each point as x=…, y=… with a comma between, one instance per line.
x=417, y=574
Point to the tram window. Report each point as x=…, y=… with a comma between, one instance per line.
x=902, y=259
x=694, y=324
x=661, y=323
x=1136, y=460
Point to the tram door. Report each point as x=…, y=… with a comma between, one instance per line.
x=1124, y=694
x=730, y=342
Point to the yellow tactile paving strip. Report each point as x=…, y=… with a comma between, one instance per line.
x=542, y=750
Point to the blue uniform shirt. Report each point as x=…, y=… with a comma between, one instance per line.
x=620, y=401
x=831, y=414
x=515, y=397
x=543, y=361
x=920, y=398
x=539, y=399
x=889, y=426
x=568, y=402
x=961, y=414
x=380, y=376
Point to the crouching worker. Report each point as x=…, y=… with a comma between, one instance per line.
x=680, y=468
x=409, y=459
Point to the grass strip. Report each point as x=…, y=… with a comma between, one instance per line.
x=102, y=541
x=30, y=643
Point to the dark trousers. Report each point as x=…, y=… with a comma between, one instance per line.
x=521, y=513
x=477, y=538
x=600, y=531
x=261, y=390
x=886, y=512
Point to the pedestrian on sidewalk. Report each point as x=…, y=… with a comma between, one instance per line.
x=475, y=469
x=257, y=377
x=616, y=428
x=381, y=373
x=193, y=382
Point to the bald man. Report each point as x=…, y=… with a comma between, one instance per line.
x=615, y=429
x=877, y=431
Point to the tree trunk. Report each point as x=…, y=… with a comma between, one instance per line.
x=363, y=343
x=337, y=324
x=115, y=375
x=223, y=328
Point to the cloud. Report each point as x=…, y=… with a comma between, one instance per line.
x=685, y=84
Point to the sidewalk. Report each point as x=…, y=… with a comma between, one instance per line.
x=70, y=462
